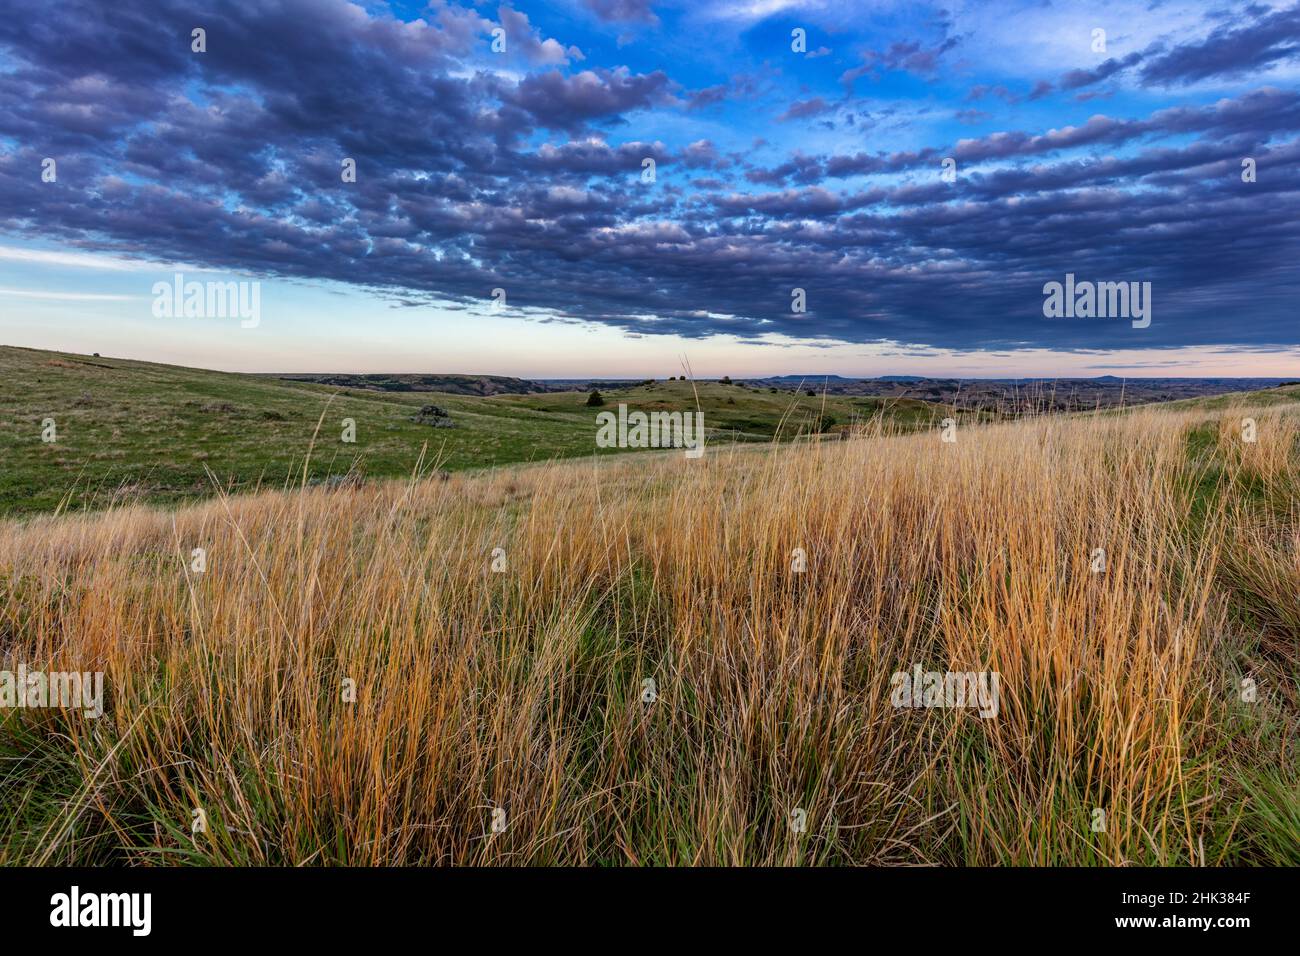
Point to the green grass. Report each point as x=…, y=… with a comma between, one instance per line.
x=165, y=434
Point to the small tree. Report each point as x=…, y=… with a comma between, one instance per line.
x=725, y=380
x=594, y=399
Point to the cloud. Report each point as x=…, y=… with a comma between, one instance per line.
x=1230, y=51
x=67, y=296
x=523, y=38
x=803, y=109
x=622, y=11
x=1041, y=89
x=570, y=102
x=71, y=260
x=982, y=90
x=477, y=171
x=912, y=56
x=709, y=96
x=1075, y=79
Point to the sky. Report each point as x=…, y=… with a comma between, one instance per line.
x=626, y=188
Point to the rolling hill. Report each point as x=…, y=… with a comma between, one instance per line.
x=128, y=430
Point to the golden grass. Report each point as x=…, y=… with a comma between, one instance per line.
x=522, y=691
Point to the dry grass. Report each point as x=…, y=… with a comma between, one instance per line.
x=522, y=690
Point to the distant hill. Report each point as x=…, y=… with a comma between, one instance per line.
x=1021, y=396
x=164, y=433
x=796, y=379
x=125, y=429
x=448, y=384
x=803, y=378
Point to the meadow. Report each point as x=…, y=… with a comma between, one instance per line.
x=652, y=660
x=141, y=431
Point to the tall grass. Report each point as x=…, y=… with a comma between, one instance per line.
x=521, y=697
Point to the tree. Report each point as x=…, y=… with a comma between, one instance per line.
x=594, y=399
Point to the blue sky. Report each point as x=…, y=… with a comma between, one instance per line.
x=818, y=168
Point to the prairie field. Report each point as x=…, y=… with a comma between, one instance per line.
x=144, y=431
x=651, y=660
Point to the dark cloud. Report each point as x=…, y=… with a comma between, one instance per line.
x=709, y=96
x=571, y=102
x=622, y=11
x=1231, y=51
x=471, y=178
x=1080, y=78
x=912, y=56
x=1228, y=52
x=803, y=109
x=983, y=90
x=1041, y=89
x=1264, y=111
x=596, y=157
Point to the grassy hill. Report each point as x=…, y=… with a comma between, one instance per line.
x=163, y=433
x=664, y=661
